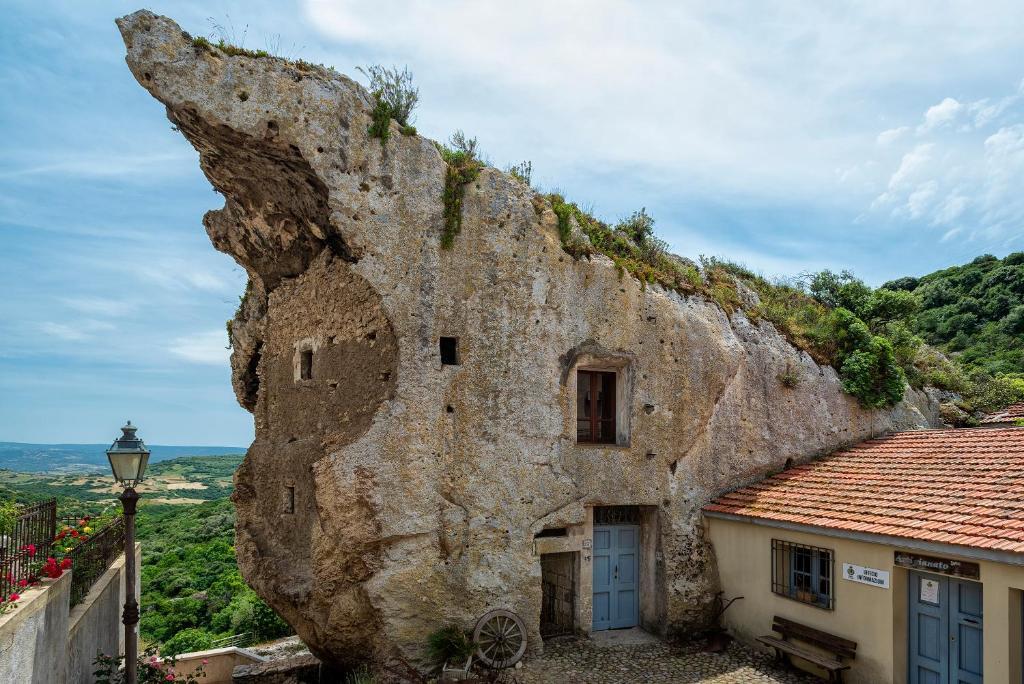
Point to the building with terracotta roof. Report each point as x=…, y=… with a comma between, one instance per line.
x=1011, y=415
x=910, y=545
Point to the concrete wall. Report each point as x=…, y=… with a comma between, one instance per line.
x=33, y=635
x=44, y=641
x=94, y=625
x=862, y=612
x=220, y=662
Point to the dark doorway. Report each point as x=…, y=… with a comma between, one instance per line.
x=558, y=593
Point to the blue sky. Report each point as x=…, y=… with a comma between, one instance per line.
x=884, y=139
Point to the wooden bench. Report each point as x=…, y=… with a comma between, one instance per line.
x=837, y=648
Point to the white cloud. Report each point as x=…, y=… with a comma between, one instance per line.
x=63, y=331
x=76, y=331
x=104, y=165
x=99, y=306
x=960, y=172
x=892, y=135
x=205, y=347
x=682, y=95
x=939, y=115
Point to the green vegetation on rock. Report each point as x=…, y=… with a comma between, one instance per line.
x=463, y=168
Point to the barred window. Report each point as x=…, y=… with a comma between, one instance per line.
x=803, y=573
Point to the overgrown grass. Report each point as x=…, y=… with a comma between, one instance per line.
x=228, y=49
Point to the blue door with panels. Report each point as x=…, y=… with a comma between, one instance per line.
x=616, y=583
x=945, y=630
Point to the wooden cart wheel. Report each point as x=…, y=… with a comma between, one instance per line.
x=500, y=636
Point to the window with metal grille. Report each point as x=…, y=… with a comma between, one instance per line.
x=595, y=406
x=803, y=573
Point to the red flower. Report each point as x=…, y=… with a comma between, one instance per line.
x=74, y=533
x=14, y=597
x=23, y=583
x=65, y=564
x=63, y=534
x=31, y=548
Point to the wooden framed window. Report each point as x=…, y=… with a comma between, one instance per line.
x=803, y=573
x=595, y=407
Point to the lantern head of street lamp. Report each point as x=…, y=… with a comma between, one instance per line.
x=128, y=457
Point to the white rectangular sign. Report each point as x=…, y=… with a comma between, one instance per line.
x=858, y=573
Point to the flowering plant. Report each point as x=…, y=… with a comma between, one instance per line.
x=150, y=669
x=7, y=602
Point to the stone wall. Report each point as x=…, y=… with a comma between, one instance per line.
x=389, y=494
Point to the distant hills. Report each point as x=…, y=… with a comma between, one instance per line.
x=87, y=458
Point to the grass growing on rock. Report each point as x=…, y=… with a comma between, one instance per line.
x=463, y=168
x=228, y=49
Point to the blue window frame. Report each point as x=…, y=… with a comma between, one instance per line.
x=803, y=573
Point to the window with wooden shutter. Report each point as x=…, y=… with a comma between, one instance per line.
x=595, y=407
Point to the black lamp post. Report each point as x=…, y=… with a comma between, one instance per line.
x=128, y=458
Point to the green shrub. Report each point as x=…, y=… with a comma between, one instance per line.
x=187, y=641
x=8, y=516
x=872, y=375
x=394, y=96
x=789, y=377
x=450, y=644
x=463, y=168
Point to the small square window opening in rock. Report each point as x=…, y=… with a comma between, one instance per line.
x=450, y=351
x=306, y=364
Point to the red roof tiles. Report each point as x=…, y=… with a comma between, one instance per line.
x=962, y=487
x=1007, y=415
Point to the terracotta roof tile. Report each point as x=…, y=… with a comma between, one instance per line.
x=962, y=487
x=1007, y=415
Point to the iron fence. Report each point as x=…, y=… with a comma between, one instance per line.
x=29, y=541
x=94, y=556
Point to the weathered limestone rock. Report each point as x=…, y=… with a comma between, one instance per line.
x=387, y=495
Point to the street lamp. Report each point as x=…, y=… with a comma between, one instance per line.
x=128, y=457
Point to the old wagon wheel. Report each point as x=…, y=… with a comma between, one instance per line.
x=500, y=636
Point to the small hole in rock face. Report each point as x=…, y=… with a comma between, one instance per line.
x=449, y=351
x=147, y=76
x=788, y=465
x=289, y=499
x=449, y=408
x=272, y=125
x=320, y=150
x=306, y=365
x=243, y=96
x=672, y=467
x=371, y=336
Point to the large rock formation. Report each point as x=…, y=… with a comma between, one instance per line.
x=387, y=494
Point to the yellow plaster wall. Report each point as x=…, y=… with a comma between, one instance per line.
x=875, y=618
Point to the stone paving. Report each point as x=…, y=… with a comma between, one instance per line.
x=580, y=660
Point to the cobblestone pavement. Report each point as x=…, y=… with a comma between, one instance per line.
x=579, y=660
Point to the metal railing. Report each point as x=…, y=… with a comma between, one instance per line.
x=27, y=543
x=94, y=556
x=240, y=640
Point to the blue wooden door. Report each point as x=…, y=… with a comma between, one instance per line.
x=945, y=630
x=616, y=601
x=965, y=646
